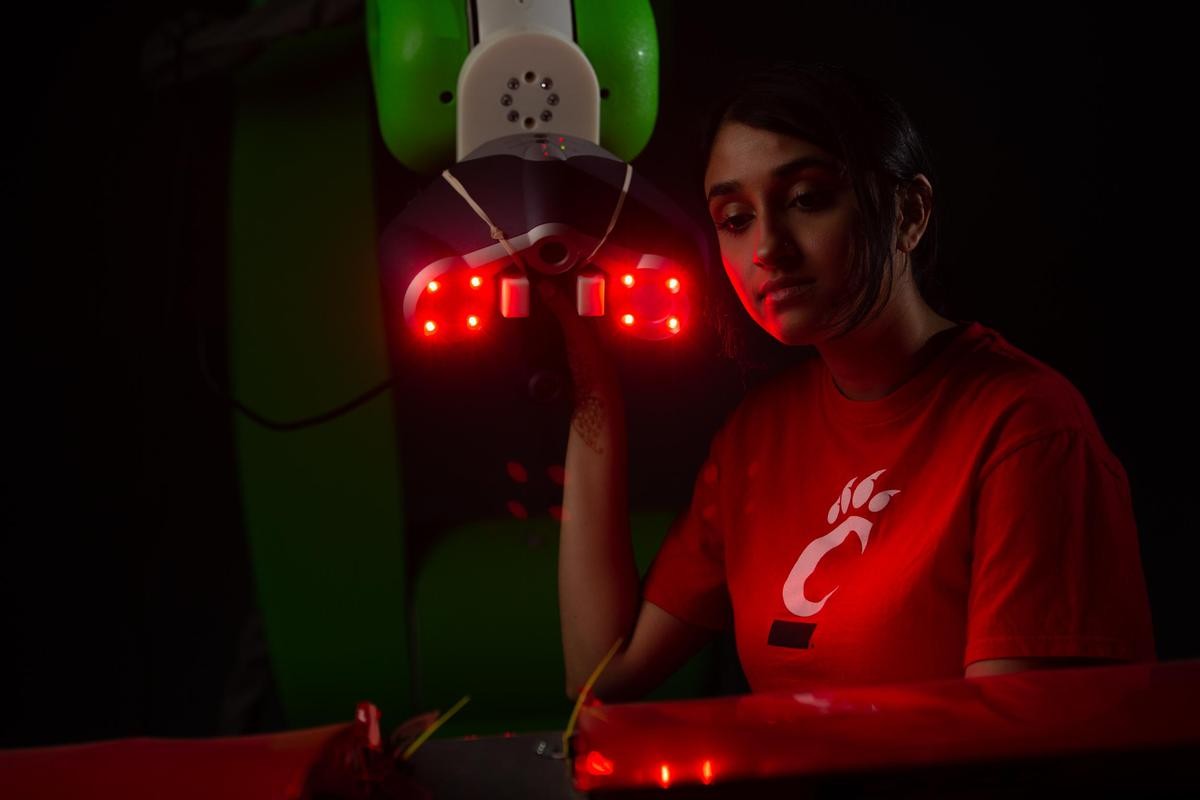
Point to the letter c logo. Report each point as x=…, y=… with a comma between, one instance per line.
x=806, y=564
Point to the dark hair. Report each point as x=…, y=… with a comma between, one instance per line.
x=873, y=139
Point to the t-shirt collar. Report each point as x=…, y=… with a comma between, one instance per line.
x=909, y=394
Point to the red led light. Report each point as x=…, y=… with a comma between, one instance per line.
x=664, y=776
x=673, y=285
x=472, y=321
x=430, y=327
x=627, y=280
x=673, y=323
x=597, y=764
x=433, y=286
x=627, y=319
x=476, y=281
x=706, y=772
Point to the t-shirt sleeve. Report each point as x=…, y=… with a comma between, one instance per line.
x=687, y=577
x=1056, y=570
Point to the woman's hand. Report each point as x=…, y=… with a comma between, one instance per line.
x=596, y=394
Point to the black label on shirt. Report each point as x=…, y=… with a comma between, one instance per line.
x=791, y=634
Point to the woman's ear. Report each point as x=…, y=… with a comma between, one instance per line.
x=914, y=204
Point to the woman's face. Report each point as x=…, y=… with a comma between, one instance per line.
x=784, y=214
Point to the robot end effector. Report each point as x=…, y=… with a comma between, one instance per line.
x=533, y=193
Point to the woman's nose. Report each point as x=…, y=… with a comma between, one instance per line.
x=775, y=244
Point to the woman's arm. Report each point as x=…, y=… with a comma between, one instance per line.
x=598, y=585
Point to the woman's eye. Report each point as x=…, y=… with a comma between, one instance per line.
x=810, y=201
x=817, y=200
x=735, y=224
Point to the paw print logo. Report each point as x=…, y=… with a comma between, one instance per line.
x=852, y=496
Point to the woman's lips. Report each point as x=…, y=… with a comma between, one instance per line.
x=782, y=291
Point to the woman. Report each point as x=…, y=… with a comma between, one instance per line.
x=921, y=501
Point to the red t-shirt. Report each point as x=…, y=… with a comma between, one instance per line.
x=973, y=513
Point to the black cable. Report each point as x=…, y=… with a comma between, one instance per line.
x=276, y=425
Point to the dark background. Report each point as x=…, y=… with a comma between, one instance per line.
x=1061, y=158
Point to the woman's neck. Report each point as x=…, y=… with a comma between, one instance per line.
x=876, y=358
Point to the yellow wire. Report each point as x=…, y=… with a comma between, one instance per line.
x=437, y=723
x=586, y=690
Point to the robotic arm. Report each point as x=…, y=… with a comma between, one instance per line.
x=442, y=70
x=540, y=88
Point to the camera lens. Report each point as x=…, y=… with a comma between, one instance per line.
x=553, y=253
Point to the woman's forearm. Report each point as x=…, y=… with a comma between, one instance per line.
x=597, y=575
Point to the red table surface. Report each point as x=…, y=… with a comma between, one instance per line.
x=751, y=737
x=1042, y=713
x=234, y=768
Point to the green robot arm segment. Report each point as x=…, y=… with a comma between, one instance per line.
x=418, y=49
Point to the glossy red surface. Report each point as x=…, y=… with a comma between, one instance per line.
x=235, y=768
x=1110, y=711
x=1044, y=713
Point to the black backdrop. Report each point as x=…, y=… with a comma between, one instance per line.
x=1062, y=160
